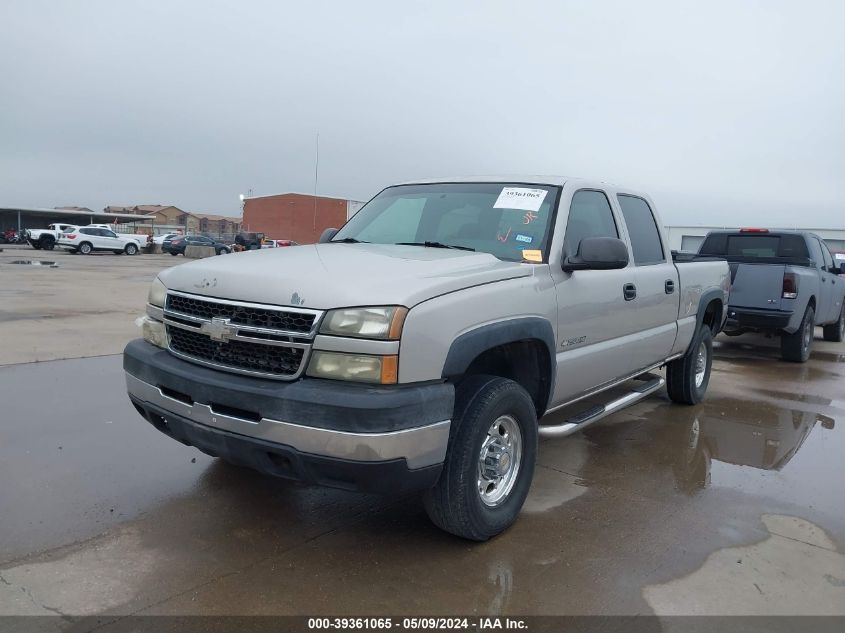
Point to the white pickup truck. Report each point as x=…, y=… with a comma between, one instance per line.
x=428, y=343
x=46, y=238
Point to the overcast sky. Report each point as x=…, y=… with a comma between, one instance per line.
x=727, y=112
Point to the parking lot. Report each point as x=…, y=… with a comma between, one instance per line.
x=733, y=506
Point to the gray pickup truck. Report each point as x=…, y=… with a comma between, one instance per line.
x=418, y=347
x=783, y=283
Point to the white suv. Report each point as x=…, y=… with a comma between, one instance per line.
x=87, y=239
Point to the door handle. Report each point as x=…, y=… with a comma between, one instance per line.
x=629, y=291
x=669, y=286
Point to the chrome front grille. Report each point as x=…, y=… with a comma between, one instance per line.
x=241, y=337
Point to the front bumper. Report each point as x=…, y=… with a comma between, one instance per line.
x=755, y=319
x=362, y=437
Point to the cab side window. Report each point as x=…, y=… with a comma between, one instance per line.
x=589, y=216
x=642, y=229
x=828, y=259
x=816, y=252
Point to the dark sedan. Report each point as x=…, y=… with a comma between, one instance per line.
x=177, y=245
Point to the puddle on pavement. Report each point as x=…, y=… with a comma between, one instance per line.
x=795, y=570
x=35, y=262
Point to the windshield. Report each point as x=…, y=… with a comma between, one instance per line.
x=509, y=221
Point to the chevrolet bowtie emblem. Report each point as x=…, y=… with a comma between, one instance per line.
x=219, y=329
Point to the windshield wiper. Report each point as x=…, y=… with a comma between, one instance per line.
x=436, y=245
x=349, y=240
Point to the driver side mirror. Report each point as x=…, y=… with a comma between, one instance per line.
x=327, y=235
x=598, y=253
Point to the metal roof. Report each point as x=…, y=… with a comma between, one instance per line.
x=61, y=213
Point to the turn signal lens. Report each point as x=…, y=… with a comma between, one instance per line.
x=382, y=370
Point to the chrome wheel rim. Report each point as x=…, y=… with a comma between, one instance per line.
x=700, y=365
x=499, y=461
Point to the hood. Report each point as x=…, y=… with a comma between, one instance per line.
x=324, y=276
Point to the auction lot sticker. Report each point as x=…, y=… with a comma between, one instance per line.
x=520, y=198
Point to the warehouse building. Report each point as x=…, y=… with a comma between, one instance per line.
x=296, y=216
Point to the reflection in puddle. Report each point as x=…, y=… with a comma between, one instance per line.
x=35, y=262
x=765, y=437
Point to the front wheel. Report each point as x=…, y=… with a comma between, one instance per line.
x=795, y=347
x=48, y=244
x=835, y=332
x=687, y=377
x=489, y=462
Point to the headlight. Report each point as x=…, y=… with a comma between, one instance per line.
x=154, y=332
x=158, y=293
x=378, y=322
x=358, y=367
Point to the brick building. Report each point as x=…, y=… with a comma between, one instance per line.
x=296, y=216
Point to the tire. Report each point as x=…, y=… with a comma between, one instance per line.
x=223, y=251
x=131, y=249
x=174, y=253
x=687, y=377
x=835, y=332
x=795, y=347
x=85, y=248
x=484, y=406
x=36, y=246
x=48, y=243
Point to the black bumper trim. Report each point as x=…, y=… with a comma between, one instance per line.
x=323, y=403
x=748, y=318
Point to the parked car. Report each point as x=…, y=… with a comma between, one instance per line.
x=140, y=239
x=418, y=350
x=177, y=245
x=87, y=239
x=249, y=241
x=46, y=238
x=783, y=283
x=271, y=243
x=168, y=237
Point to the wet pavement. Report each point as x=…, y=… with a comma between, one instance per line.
x=731, y=506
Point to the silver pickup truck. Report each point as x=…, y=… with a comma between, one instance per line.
x=418, y=347
x=783, y=283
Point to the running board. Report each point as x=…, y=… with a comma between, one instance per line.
x=586, y=418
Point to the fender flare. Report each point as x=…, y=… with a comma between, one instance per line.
x=705, y=300
x=469, y=345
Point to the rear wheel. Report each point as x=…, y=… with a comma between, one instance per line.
x=489, y=462
x=687, y=377
x=131, y=249
x=835, y=332
x=48, y=243
x=85, y=248
x=174, y=253
x=795, y=347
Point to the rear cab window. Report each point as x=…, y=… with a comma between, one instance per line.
x=642, y=230
x=756, y=246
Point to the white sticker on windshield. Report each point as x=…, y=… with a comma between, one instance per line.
x=520, y=198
